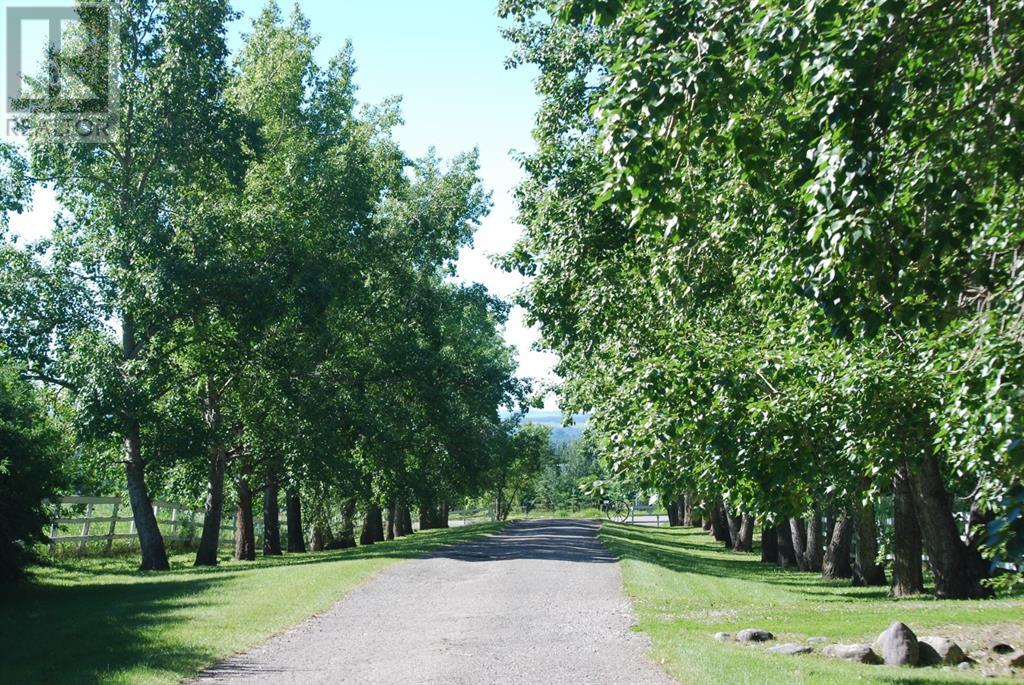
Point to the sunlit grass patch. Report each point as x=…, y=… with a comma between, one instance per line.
x=686, y=587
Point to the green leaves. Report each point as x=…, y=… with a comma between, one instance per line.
x=767, y=243
x=252, y=273
x=30, y=471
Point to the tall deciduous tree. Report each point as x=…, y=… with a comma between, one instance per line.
x=103, y=308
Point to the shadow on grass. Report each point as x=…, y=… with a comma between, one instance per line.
x=692, y=551
x=85, y=633
x=84, y=621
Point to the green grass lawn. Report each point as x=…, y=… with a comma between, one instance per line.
x=100, y=621
x=685, y=588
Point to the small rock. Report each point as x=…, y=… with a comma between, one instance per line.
x=936, y=651
x=1002, y=648
x=1017, y=660
x=862, y=654
x=723, y=637
x=898, y=645
x=964, y=665
x=754, y=635
x=817, y=640
x=791, y=649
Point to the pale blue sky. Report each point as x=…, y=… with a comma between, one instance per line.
x=445, y=58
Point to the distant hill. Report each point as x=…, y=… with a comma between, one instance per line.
x=559, y=433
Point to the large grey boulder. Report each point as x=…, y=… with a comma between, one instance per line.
x=754, y=635
x=898, y=645
x=862, y=654
x=939, y=651
x=791, y=649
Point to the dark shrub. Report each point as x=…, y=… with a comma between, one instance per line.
x=28, y=471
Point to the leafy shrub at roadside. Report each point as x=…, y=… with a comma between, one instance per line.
x=28, y=471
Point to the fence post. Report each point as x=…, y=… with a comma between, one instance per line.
x=113, y=527
x=53, y=526
x=85, y=528
x=174, y=523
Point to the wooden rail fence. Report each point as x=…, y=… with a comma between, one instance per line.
x=105, y=519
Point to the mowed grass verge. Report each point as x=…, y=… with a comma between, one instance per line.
x=101, y=621
x=685, y=588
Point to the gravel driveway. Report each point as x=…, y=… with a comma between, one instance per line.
x=539, y=603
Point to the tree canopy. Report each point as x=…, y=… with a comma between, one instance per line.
x=775, y=257
x=248, y=287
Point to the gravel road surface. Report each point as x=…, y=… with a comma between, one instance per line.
x=539, y=603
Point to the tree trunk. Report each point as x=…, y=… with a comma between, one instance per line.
x=814, y=545
x=373, y=527
x=429, y=515
x=433, y=516
x=391, y=522
x=867, y=570
x=347, y=537
x=271, y=520
x=151, y=542
x=375, y=522
x=977, y=522
x=732, y=522
x=213, y=509
x=672, y=509
x=403, y=521
x=907, y=578
x=685, y=504
x=320, y=537
x=837, y=556
x=769, y=544
x=745, y=540
x=798, y=532
x=445, y=508
x=719, y=525
x=951, y=568
x=245, y=535
x=296, y=541
x=784, y=544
